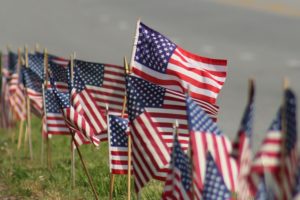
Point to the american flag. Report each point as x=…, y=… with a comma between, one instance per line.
x=17, y=93
x=214, y=185
x=5, y=117
x=152, y=111
x=83, y=99
x=74, y=120
x=12, y=72
x=206, y=136
x=277, y=155
x=33, y=79
x=178, y=183
x=118, y=131
x=60, y=74
x=242, y=147
x=159, y=60
x=105, y=83
x=55, y=123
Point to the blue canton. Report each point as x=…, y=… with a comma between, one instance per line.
x=118, y=131
x=291, y=120
x=78, y=83
x=181, y=162
x=58, y=72
x=198, y=120
x=142, y=94
x=214, y=185
x=62, y=98
x=52, y=105
x=153, y=50
x=36, y=64
x=32, y=80
x=89, y=72
x=13, y=60
x=247, y=121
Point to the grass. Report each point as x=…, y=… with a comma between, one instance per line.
x=21, y=178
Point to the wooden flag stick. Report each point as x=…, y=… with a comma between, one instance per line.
x=72, y=57
x=127, y=71
x=48, y=142
x=135, y=40
x=85, y=168
x=112, y=176
x=28, y=110
x=286, y=85
x=37, y=47
x=20, y=134
x=73, y=164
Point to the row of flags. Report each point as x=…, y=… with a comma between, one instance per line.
x=164, y=104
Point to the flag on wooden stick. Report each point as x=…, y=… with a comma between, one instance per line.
x=178, y=183
x=206, y=136
x=242, y=146
x=74, y=120
x=118, y=132
x=158, y=60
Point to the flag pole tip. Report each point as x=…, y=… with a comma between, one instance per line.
x=286, y=83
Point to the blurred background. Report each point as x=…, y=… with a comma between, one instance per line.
x=260, y=39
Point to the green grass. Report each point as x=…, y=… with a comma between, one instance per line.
x=25, y=179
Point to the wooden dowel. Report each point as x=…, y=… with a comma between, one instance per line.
x=20, y=134
x=73, y=164
x=127, y=71
x=111, y=186
x=85, y=168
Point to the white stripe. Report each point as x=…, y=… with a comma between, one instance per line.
x=223, y=162
x=116, y=77
x=217, y=68
x=191, y=66
x=95, y=110
x=155, y=137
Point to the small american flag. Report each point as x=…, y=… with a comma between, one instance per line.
x=159, y=60
x=206, y=136
x=118, y=131
x=74, y=120
x=17, y=92
x=60, y=74
x=55, y=123
x=149, y=150
x=277, y=155
x=82, y=97
x=153, y=110
x=242, y=147
x=105, y=83
x=214, y=185
x=33, y=81
x=178, y=183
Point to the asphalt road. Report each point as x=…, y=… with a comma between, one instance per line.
x=260, y=40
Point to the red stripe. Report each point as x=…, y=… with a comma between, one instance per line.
x=229, y=167
x=200, y=74
x=198, y=58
